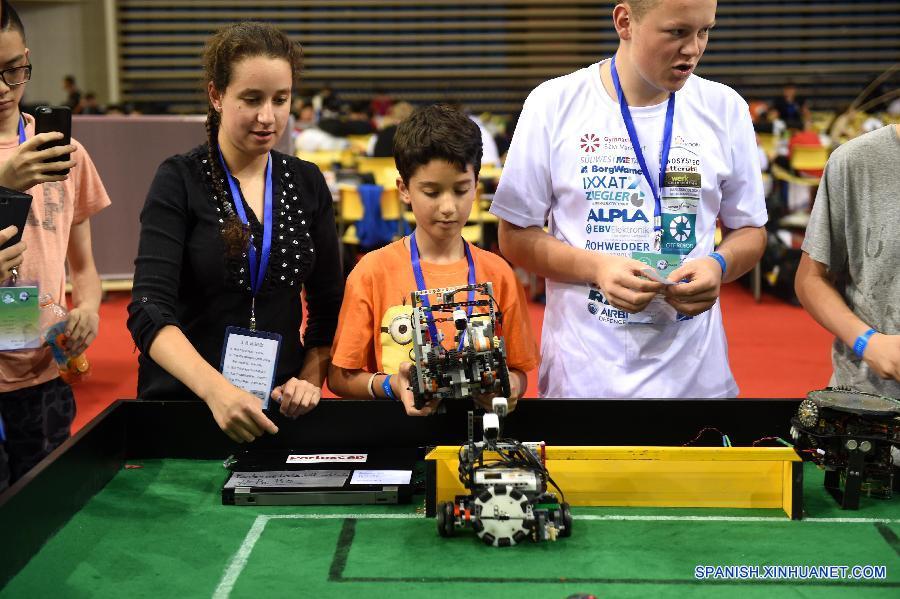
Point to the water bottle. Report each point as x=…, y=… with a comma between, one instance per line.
x=72, y=369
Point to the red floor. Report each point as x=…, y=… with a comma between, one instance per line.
x=776, y=350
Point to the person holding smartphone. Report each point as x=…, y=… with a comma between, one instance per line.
x=231, y=232
x=36, y=406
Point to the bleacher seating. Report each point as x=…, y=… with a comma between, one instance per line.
x=490, y=53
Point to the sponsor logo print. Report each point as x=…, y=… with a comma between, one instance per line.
x=688, y=205
x=607, y=167
x=603, y=215
x=590, y=142
x=608, y=195
x=604, y=312
x=678, y=140
x=679, y=233
x=613, y=188
x=682, y=179
x=616, y=247
x=680, y=228
x=610, y=182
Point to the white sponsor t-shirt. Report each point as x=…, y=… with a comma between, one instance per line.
x=571, y=165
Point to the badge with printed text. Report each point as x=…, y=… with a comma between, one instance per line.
x=679, y=233
x=680, y=202
x=19, y=318
x=659, y=265
x=249, y=359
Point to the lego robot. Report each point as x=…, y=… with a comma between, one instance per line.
x=477, y=365
x=508, y=480
x=850, y=434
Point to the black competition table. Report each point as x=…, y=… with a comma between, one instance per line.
x=82, y=524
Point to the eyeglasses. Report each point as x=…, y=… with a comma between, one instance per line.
x=16, y=75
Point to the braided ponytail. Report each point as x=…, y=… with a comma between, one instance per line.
x=235, y=234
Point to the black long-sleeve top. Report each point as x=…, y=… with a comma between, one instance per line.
x=185, y=277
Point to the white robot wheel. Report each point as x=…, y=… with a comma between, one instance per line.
x=503, y=516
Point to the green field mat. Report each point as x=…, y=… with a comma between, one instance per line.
x=160, y=531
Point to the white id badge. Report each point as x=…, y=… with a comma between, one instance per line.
x=249, y=359
x=20, y=326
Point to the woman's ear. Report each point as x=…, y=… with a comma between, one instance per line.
x=215, y=99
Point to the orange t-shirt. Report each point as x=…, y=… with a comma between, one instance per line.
x=373, y=332
x=55, y=207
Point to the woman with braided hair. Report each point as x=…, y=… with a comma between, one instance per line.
x=231, y=232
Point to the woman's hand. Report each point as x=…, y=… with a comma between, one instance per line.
x=297, y=397
x=239, y=414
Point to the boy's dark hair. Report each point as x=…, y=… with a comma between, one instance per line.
x=226, y=48
x=438, y=132
x=10, y=20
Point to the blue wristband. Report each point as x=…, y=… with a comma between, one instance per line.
x=386, y=386
x=859, y=346
x=720, y=259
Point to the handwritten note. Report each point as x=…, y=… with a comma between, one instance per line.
x=289, y=479
x=249, y=363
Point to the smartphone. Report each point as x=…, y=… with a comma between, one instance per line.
x=14, y=207
x=54, y=118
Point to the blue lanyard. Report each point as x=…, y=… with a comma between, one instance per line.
x=636, y=144
x=257, y=267
x=21, y=129
x=420, y=282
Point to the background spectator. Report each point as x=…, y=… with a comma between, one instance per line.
x=384, y=140
x=89, y=104
x=73, y=94
x=381, y=103
x=794, y=109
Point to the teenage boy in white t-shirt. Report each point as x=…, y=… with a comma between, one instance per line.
x=610, y=330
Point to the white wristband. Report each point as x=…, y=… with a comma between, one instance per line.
x=369, y=386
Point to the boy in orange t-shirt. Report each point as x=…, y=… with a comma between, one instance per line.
x=438, y=154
